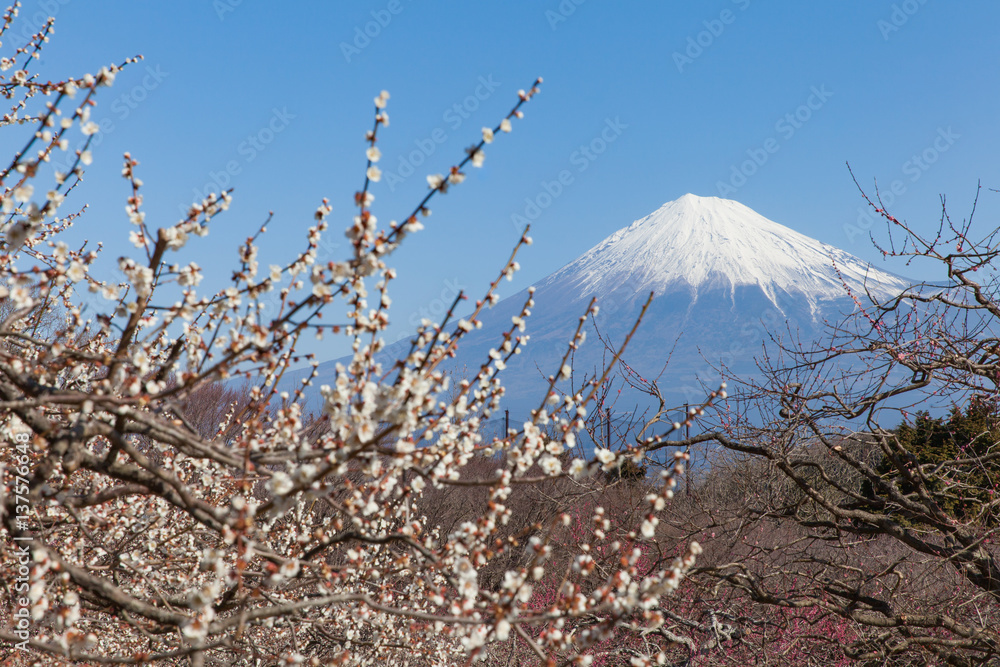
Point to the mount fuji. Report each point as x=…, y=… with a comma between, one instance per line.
x=725, y=280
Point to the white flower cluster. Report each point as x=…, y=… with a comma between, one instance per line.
x=225, y=513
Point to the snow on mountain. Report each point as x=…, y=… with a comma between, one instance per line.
x=707, y=243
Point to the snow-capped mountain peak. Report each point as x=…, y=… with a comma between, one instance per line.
x=708, y=242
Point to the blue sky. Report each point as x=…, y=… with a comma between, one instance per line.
x=274, y=100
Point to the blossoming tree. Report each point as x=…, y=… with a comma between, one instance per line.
x=139, y=532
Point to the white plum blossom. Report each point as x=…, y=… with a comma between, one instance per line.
x=190, y=275
x=550, y=465
x=109, y=291
x=23, y=193
x=194, y=489
x=21, y=297
x=77, y=272
x=106, y=77
x=605, y=456
x=280, y=483
x=175, y=236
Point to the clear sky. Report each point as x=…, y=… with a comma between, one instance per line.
x=642, y=102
